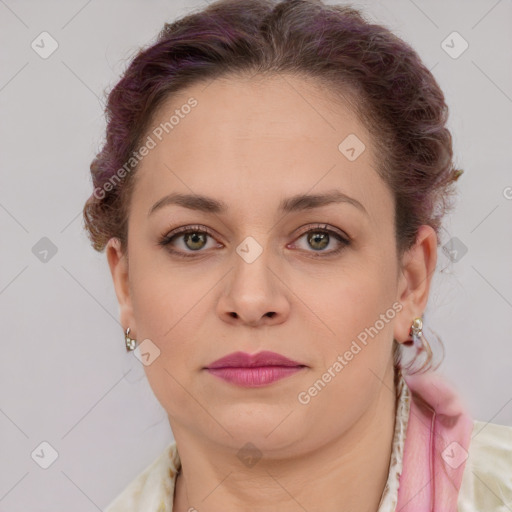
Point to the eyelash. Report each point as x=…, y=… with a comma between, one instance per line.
x=166, y=239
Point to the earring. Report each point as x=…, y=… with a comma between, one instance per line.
x=129, y=342
x=418, y=338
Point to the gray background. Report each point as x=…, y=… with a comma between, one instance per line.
x=63, y=366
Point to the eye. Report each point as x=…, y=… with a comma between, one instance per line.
x=320, y=236
x=194, y=239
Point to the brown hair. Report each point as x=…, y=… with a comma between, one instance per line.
x=394, y=94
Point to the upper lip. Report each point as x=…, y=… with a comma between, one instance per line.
x=245, y=360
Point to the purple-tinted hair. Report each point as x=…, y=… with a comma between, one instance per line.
x=373, y=71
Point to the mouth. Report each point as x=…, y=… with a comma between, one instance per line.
x=261, y=359
x=261, y=369
x=254, y=377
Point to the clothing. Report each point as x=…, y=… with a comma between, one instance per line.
x=486, y=484
x=436, y=443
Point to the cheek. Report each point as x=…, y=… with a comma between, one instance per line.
x=357, y=315
x=170, y=303
x=162, y=295
x=165, y=310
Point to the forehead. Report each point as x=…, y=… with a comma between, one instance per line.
x=251, y=139
x=279, y=106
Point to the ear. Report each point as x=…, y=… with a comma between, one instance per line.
x=415, y=277
x=118, y=263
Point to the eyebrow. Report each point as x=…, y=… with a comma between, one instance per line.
x=292, y=204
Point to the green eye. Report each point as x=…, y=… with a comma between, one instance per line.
x=195, y=239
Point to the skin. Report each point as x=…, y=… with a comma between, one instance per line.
x=252, y=142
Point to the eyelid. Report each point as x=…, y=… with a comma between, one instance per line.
x=201, y=228
x=165, y=240
x=322, y=226
x=190, y=228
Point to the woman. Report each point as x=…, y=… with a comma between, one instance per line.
x=269, y=197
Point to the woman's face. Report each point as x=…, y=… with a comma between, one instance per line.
x=257, y=280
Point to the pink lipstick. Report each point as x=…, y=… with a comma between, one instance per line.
x=256, y=370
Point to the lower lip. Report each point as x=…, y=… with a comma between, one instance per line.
x=254, y=377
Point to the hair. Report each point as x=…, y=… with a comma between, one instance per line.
x=379, y=75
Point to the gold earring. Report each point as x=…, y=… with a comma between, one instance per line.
x=129, y=342
x=418, y=338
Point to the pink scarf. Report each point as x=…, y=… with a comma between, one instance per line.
x=436, y=445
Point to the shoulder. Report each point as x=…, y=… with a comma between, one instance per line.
x=487, y=478
x=152, y=490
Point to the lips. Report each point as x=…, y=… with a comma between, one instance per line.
x=261, y=359
x=254, y=371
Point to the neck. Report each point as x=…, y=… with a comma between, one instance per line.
x=348, y=473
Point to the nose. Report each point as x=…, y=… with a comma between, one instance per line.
x=254, y=295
